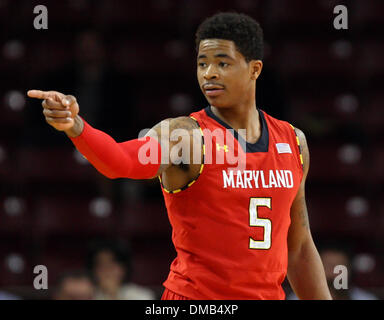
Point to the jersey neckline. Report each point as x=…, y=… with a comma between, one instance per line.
x=261, y=145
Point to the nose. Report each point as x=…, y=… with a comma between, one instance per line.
x=211, y=73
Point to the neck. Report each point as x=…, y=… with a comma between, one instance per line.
x=242, y=116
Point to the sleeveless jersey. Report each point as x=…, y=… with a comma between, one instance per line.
x=230, y=224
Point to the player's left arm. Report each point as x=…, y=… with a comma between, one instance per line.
x=305, y=269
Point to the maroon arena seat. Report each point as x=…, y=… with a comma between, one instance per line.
x=15, y=215
x=48, y=55
x=151, y=261
x=372, y=115
x=341, y=211
x=7, y=168
x=367, y=15
x=376, y=170
x=342, y=107
x=372, y=64
x=294, y=16
x=316, y=58
x=144, y=219
x=369, y=269
x=172, y=56
x=16, y=264
x=61, y=255
x=54, y=164
x=338, y=162
x=73, y=216
x=11, y=107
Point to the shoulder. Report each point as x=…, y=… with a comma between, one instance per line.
x=300, y=134
x=303, y=148
x=302, y=139
x=183, y=123
x=288, y=127
x=186, y=123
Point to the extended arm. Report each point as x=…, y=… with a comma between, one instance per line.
x=137, y=159
x=305, y=269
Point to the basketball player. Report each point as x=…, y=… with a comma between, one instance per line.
x=237, y=233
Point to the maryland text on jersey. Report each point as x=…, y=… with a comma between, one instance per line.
x=257, y=179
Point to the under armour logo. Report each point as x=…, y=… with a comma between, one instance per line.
x=224, y=147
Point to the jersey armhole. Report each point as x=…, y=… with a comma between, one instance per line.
x=190, y=183
x=299, y=148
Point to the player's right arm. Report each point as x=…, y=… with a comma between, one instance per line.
x=113, y=159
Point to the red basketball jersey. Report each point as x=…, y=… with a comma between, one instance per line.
x=230, y=225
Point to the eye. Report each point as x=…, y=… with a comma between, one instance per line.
x=223, y=64
x=202, y=64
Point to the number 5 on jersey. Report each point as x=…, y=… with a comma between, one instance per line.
x=255, y=221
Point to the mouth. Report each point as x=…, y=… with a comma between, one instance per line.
x=213, y=90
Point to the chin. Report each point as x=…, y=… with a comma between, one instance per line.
x=218, y=103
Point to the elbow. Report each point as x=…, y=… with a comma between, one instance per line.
x=111, y=176
x=108, y=174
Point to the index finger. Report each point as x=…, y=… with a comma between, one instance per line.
x=39, y=94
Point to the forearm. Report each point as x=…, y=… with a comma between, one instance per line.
x=113, y=159
x=306, y=273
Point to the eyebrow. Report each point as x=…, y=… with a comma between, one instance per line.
x=219, y=55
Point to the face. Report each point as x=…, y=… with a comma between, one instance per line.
x=107, y=269
x=225, y=77
x=76, y=289
x=330, y=260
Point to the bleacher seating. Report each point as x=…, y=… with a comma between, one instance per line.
x=16, y=262
x=338, y=162
x=342, y=211
x=144, y=219
x=366, y=16
x=332, y=80
x=15, y=215
x=56, y=164
x=78, y=216
x=150, y=252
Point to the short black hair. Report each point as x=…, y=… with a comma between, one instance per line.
x=240, y=28
x=121, y=251
x=336, y=245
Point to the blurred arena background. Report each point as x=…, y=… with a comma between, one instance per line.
x=132, y=64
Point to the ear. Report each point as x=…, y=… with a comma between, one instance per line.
x=255, y=67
